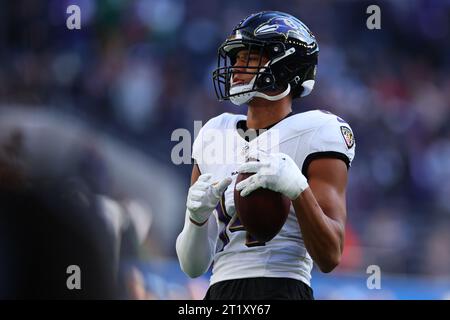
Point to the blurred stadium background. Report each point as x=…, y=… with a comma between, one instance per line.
x=98, y=106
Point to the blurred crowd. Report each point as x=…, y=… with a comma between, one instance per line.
x=138, y=70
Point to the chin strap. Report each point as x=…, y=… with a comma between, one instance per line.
x=247, y=97
x=274, y=98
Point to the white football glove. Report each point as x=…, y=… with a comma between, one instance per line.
x=276, y=172
x=229, y=204
x=203, y=197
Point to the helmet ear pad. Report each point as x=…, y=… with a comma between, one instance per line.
x=307, y=83
x=289, y=71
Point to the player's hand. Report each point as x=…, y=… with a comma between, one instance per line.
x=203, y=197
x=229, y=205
x=276, y=172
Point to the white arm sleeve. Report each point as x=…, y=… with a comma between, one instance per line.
x=196, y=246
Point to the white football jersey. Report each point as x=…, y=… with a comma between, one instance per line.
x=218, y=150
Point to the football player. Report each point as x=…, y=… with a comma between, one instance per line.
x=269, y=59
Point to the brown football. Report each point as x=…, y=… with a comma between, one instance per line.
x=263, y=212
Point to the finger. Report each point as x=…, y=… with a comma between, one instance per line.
x=249, y=167
x=244, y=183
x=229, y=205
x=194, y=205
x=204, y=177
x=196, y=198
x=249, y=189
x=197, y=195
x=202, y=186
x=221, y=186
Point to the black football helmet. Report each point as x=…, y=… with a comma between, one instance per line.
x=292, y=51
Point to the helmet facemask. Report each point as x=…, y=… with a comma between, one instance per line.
x=263, y=79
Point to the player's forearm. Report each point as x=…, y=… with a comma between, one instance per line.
x=322, y=235
x=194, y=248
